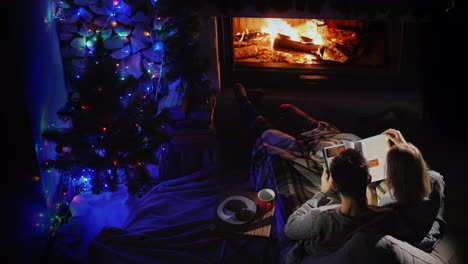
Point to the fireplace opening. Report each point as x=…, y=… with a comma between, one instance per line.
x=302, y=43
x=270, y=52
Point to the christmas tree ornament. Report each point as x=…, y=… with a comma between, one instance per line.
x=60, y=149
x=48, y=166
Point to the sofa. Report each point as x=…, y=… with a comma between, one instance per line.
x=370, y=246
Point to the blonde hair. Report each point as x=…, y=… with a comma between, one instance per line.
x=407, y=174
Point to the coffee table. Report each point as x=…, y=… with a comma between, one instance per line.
x=258, y=227
x=255, y=232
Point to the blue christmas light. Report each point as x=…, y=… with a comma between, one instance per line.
x=158, y=45
x=100, y=152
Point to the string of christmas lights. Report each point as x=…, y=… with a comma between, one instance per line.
x=125, y=63
x=121, y=40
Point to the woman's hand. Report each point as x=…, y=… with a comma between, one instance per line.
x=395, y=136
x=371, y=194
x=327, y=183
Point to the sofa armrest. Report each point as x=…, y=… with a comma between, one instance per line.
x=393, y=250
x=369, y=246
x=449, y=250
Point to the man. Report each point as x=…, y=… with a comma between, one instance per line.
x=321, y=230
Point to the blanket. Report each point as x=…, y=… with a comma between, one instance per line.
x=293, y=165
x=169, y=224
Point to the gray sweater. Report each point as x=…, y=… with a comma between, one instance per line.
x=320, y=230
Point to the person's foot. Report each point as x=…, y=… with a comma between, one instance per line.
x=248, y=103
x=240, y=94
x=256, y=97
x=245, y=105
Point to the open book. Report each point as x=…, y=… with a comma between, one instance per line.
x=374, y=149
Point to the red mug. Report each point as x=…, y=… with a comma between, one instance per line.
x=266, y=199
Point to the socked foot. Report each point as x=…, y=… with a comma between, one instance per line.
x=256, y=97
x=243, y=97
x=240, y=93
x=256, y=121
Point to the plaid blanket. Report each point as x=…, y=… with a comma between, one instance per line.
x=293, y=166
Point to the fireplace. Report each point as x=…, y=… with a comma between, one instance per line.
x=302, y=43
x=269, y=52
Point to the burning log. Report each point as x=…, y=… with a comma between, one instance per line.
x=248, y=36
x=260, y=42
x=331, y=51
x=285, y=43
x=336, y=52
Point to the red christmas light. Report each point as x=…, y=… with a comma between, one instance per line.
x=60, y=149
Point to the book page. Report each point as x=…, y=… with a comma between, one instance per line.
x=375, y=149
x=330, y=152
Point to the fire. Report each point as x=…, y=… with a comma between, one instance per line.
x=300, y=41
x=308, y=30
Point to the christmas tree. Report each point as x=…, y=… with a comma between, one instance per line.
x=115, y=130
x=132, y=71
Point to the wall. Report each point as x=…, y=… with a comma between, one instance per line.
x=45, y=90
x=34, y=89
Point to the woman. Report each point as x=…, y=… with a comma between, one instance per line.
x=415, y=192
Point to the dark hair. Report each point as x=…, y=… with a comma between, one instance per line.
x=349, y=171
